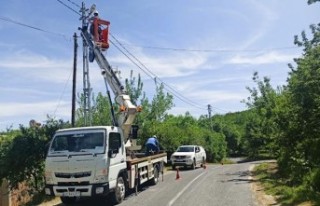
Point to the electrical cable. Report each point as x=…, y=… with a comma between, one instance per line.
x=212, y=50
x=32, y=27
x=142, y=68
x=153, y=76
x=77, y=5
x=62, y=93
x=69, y=7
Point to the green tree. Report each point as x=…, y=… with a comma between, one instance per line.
x=261, y=130
x=22, y=154
x=155, y=112
x=100, y=110
x=299, y=119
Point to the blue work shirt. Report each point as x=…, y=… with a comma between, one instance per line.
x=153, y=141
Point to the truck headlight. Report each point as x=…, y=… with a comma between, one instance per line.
x=48, y=176
x=101, y=176
x=100, y=179
x=47, y=191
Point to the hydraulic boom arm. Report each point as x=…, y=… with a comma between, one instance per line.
x=127, y=109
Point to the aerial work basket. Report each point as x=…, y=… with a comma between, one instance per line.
x=101, y=33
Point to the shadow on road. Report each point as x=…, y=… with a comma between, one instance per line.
x=240, y=177
x=106, y=201
x=90, y=202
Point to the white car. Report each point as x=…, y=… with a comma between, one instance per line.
x=188, y=156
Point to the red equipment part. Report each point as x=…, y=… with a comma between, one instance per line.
x=101, y=36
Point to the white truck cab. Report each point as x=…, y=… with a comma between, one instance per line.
x=188, y=156
x=84, y=161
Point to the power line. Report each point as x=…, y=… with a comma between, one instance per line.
x=32, y=27
x=154, y=76
x=146, y=71
x=77, y=5
x=62, y=93
x=69, y=7
x=173, y=91
x=211, y=50
x=46, y=31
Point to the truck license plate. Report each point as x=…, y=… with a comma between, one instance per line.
x=71, y=194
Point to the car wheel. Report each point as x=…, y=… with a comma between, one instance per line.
x=193, y=166
x=203, y=162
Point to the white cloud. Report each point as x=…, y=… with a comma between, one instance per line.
x=35, y=66
x=34, y=110
x=267, y=58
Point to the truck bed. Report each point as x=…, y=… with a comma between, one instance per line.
x=141, y=157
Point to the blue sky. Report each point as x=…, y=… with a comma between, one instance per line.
x=221, y=44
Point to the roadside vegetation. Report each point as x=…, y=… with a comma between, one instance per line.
x=274, y=184
x=280, y=123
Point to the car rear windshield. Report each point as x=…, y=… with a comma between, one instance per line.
x=185, y=149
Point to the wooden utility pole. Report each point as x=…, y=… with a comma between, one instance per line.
x=74, y=80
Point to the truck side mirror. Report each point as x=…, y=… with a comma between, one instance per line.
x=111, y=152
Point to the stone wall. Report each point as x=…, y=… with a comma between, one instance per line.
x=4, y=194
x=20, y=195
x=15, y=197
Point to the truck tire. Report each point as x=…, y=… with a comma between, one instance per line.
x=155, y=178
x=68, y=200
x=119, y=192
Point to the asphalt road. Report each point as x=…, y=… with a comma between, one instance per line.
x=216, y=185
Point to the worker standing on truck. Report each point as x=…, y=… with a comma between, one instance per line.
x=152, y=145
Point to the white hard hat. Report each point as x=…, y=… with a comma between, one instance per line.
x=96, y=12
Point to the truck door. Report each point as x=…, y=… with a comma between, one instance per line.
x=116, y=156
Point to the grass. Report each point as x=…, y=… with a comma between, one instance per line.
x=274, y=184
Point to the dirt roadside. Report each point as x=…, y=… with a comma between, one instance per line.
x=259, y=195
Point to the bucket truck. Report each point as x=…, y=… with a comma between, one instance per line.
x=96, y=160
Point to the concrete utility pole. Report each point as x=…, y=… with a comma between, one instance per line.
x=74, y=80
x=86, y=79
x=209, y=110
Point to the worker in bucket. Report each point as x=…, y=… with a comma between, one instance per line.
x=95, y=16
x=152, y=145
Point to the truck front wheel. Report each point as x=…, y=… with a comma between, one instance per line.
x=120, y=191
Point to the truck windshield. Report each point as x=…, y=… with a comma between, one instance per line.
x=82, y=142
x=185, y=149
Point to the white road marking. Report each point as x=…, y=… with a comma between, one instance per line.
x=184, y=189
